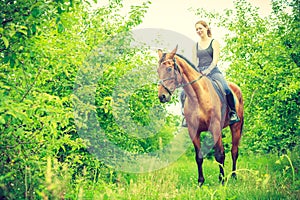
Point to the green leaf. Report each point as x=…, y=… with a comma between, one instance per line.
x=2, y=120
x=60, y=28
x=35, y=12
x=59, y=10
x=6, y=42
x=57, y=20
x=12, y=62
x=22, y=31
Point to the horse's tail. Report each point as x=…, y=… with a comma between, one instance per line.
x=241, y=105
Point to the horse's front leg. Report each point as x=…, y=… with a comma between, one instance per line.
x=199, y=157
x=220, y=158
x=219, y=149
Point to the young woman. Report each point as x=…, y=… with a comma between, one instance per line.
x=206, y=54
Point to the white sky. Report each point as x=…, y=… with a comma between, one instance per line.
x=174, y=14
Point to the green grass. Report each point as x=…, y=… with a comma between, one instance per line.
x=259, y=177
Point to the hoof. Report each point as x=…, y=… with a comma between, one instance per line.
x=200, y=182
x=233, y=176
x=222, y=179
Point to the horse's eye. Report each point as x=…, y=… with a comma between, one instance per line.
x=169, y=69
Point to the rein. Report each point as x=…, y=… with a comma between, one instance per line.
x=177, y=84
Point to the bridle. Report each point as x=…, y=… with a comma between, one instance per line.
x=177, y=84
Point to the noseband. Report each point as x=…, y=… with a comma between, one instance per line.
x=177, y=84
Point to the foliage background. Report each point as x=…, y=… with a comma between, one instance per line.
x=43, y=47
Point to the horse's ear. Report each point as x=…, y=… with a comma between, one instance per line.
x=174, y=51
x=160, y=53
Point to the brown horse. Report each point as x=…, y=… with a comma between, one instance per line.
x=202, y=107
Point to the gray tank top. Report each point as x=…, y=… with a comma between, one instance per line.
x=205, y=56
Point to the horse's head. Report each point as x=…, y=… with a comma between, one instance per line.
x=169, y=75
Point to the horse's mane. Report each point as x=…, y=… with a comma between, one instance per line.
x=189, y=62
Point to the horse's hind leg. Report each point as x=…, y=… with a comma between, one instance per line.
x=236, y=132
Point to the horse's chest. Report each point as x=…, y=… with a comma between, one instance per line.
x=196, y=117
x=194, y=114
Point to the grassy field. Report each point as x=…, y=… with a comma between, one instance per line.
x=259, y=177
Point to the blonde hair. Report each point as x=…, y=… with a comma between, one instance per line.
x=203, y=23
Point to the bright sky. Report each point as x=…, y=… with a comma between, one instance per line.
x=175, y=15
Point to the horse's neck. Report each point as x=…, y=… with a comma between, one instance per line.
x=192, y=90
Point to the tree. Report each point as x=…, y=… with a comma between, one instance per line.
x=43, y=45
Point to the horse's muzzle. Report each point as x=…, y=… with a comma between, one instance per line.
x=164, y=98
